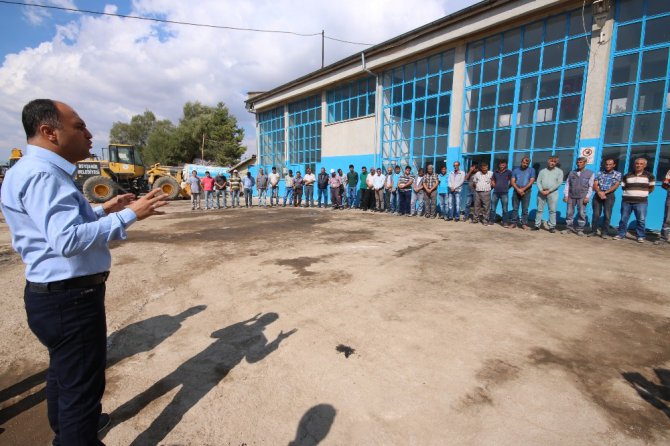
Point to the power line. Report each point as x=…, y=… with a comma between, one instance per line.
x=175, y=22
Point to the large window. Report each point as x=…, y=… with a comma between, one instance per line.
x=351, y=100
x=416, y=106
x=637, y=122
x=304, y=131
x=524, y=90
x=271, y=139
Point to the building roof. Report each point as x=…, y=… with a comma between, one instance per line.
x=416, y=33
x=244, y=163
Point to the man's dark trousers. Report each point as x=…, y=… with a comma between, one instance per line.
x=602, y=206
x=72, y=325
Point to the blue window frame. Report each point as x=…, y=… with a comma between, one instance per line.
x=416, y=109
x=271, y=139
x=637, y=122
x=351, y=100
x=524, y=91
x=304, y=131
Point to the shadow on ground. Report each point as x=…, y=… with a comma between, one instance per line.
x=654, y=394
x=314, y=425
x=200, y=374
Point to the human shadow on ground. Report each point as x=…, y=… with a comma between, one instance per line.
x=139, y=337
x=314, y=425
x=651, y=392
x=200, y=374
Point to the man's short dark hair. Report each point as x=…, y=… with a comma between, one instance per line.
x=206, y=172
x=351, y=166
x=39, y=112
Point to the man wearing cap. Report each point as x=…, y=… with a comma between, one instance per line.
x=322, y=186
x=248, y=184
x=262, y=187
x=195, y=185
x=274, y=187
x=235, y=186
x=308, y=180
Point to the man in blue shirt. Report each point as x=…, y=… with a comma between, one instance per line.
x=502, y=178
x=605, y=183
x=63, y=242
x=522, y=181
x=443, y=191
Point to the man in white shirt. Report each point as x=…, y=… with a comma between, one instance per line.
x=308, y=181
x=274, y=187
x=483, y=181
x=417, y=195
x=378, y=184
x=456, y=180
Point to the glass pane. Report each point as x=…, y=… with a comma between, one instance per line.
x=502, y=139
x=491, y=70
x=532, y=35
x=504, y=116
x=651, y=96
x=530, y=61
x=580, y=24
x=526, y=112
x=434, y=64
x=487, y=118
x=444, y=104
x=510, y=66
x=471, y=121
x=553, y=56
x=546, y=110
x=528, y=88
x=663, y=162
x=657, y=31
x=492, y=47
x=485, y=141
x=523, y=138
x=578, y=51
x=666, y=128
x=538, y=160
x=447, y=81
x=657, y=6
x=421, y=68
x=647, y=127
x=472, y=98
x=550, y=84
x=566, y=161
x=621, y=100
x=544, y=137
x=474, y=74
x=618, y=154
x=506, y=93
x=489, y=96
x=475, y=51
x=512, y=41
x=448, y=60
x=654, y=64
x=433, y=85
x=628, y=36
x=556, y=28
x=646, y=152
x=420, y=88
x=573, y=80
x=570, y=107
x=624, y=69
x=617, y=129
x=419, y=109
x=630, y=10
x=469, y=142
x=567, y=135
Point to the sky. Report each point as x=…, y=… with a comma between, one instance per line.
x=111, y=68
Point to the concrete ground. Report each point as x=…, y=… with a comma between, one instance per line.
x=224, y=328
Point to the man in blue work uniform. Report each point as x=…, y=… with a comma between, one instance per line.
x=63, y=242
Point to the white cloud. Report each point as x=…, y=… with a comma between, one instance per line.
x=37, y=16
x=111, y=68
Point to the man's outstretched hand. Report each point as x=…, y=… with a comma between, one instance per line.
x=147, y=205
x=118, y=203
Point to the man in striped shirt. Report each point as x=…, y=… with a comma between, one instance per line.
x=637, y=186
x=665, y=232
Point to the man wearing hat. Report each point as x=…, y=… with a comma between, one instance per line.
x=235, y=186
x=335, y=182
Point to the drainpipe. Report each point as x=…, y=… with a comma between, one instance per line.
x=377, y=108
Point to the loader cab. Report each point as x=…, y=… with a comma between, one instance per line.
x=124, y=160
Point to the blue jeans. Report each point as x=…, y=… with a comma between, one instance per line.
x=219, y=194
x=640, y=210
x=503, y=199
x=393, y=201
x=551, y=200
x=262, y=197
x=524, y=201
x=454, y=205
x=322, y=193
x=288, y=196
x=442, y=202
x=309, y=196
x=274, y=195
x=235, y=197
x=209, y=199
x=351, y=196
x=467, y=197
x=71, y=324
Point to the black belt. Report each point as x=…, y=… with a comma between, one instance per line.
x=69, y=284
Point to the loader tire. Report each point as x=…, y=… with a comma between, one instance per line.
x=99, y=189
x=168, y=186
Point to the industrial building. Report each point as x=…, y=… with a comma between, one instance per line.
x=498, y=80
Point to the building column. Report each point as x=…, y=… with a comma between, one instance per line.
x=455, y=149
x=593, y=109
x=286, y=159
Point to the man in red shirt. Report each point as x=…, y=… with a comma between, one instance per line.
x=208, y=187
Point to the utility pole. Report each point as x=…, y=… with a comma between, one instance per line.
x=202, y=148
x=323, y=48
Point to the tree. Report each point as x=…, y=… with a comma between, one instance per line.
x=136, y=132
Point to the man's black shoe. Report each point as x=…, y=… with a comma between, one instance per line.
x=103, y=421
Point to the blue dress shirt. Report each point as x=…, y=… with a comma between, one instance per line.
x=55, y=230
